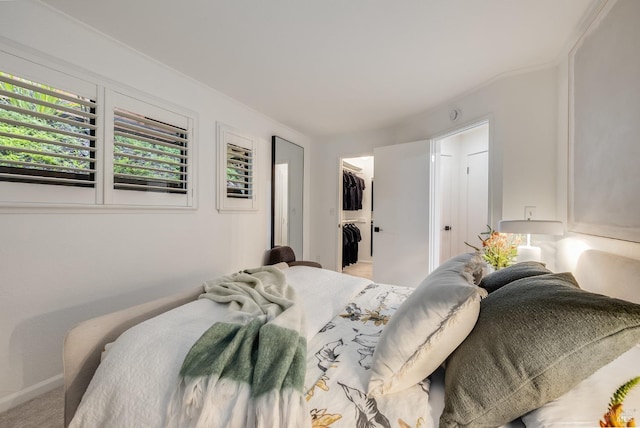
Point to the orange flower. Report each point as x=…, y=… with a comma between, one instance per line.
x=498, y=249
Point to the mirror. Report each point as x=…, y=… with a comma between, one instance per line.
x=287, y=182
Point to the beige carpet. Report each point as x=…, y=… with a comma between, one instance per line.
x=361, y=269
x=45, y=411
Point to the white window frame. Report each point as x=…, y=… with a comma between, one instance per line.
x=119, y=197
x=31, y=194
x=20, y=196
x=229, y=135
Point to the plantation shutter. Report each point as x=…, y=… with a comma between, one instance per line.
x=239, y=172
x=237, y=162
x=148, y=154
x=47, y=135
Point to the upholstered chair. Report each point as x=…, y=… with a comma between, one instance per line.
x=285, y=254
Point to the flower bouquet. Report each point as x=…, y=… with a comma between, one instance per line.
x=498, y=249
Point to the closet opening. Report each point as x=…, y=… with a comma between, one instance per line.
x=355, y=245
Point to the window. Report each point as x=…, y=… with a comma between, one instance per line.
x=237, y=166
x=65, y=141
x=46, y=135
x=50, y=133
x=149, y=153
x=239, y=172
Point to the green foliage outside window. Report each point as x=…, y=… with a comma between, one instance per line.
x=46, y=153
x=170, y=172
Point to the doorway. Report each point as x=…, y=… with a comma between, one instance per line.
x=438, y=195
x=356, y=215
x=462, y=192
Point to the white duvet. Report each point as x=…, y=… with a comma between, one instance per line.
x=132, y=385
x=339, y=362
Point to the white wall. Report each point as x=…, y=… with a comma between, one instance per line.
x=325, y=212
x=522, y=111
x=60, y=267
x=572, y=244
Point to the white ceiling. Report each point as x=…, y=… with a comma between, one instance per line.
x=333, y=66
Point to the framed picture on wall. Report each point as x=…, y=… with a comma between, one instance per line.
x=604, y=125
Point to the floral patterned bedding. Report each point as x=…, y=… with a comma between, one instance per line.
x=338, y=368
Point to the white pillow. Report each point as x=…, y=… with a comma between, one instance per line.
x=324, y=293
x=586, y=404
x=428, y=326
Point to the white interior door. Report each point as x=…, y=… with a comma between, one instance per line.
x=477, y=210
x=401, y=223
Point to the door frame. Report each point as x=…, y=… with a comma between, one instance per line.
x=434, y=222
x=434, y=217
x=338, y=241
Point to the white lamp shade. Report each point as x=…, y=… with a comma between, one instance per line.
x=533, y=227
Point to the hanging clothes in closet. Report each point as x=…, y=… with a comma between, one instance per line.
x=352, y=191
x=350, y=238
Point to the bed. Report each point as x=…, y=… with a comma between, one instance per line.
x=369, y=347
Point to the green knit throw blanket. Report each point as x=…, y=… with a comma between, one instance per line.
x=248, y=372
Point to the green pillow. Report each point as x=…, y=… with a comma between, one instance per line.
x=502, y=277
x=533, y=341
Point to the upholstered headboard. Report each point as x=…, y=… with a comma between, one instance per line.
x=84, y=344
x=609, y=274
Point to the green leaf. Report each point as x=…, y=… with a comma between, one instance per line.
x=621, y=393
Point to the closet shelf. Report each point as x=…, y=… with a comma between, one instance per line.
x=350, y=167
x=355, y=220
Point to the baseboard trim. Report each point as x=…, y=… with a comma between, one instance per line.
x=24, y=395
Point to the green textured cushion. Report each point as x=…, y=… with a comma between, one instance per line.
x=502, y=277
x=534, y=340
